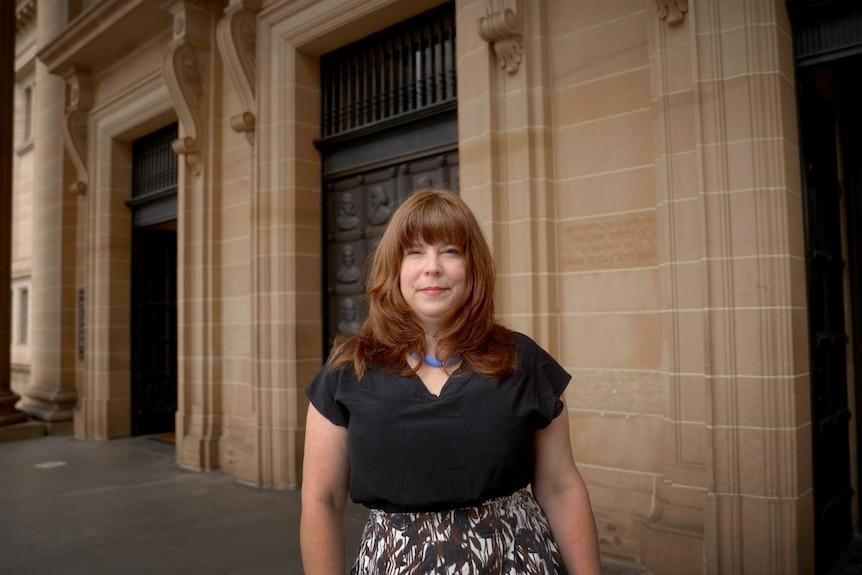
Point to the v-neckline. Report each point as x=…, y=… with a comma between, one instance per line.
x=456, y=374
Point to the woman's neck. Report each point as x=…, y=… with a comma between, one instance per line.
x=431, y=344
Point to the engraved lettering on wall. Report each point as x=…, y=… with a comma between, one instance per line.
x=610, y=242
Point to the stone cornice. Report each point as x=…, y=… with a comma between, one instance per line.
x=110, y=28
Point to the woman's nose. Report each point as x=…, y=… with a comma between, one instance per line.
x=432, y=265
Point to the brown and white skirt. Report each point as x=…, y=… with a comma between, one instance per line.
x=505, y=536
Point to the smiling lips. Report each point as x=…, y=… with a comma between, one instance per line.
x=432, y=290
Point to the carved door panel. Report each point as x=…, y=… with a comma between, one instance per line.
x=358, y=209
x=389, y=126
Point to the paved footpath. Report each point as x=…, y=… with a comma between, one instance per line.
x=124, y=507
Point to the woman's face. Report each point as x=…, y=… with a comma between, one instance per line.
x=433, y=282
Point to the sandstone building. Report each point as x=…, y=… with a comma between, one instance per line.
x=671, y=190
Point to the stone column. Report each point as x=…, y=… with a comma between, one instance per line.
x=192, y=74
x=51, y=395
x=8, y=414
x=13, y=422
x=509, y=124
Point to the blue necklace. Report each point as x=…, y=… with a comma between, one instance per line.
x=434, y=362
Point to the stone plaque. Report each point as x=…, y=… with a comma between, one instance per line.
x=609, y=242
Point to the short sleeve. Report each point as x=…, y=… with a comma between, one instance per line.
x=548, y=379
x=323, y=393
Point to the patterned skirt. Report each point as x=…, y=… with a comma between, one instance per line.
x=505, y=536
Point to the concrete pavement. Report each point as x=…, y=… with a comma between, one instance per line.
x=124, y=507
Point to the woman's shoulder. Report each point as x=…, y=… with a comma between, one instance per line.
x=523, y=342
x=528, y=350
x=338, y=369
x=522, y=338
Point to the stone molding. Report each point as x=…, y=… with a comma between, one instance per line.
x=237, y=40
x=672, y=11
x=79, y=100
x=103, y=410
x=500, y=26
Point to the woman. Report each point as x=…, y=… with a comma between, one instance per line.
x=438, y=418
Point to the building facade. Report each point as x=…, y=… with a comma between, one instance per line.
x=667, y=187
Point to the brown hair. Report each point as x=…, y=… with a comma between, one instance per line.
x=390, y=331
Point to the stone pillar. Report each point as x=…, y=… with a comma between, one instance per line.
x=14, y=423
x=509, y=124
x=192, y=74
x=51, y=395
x=8, y=414
x=734, y=496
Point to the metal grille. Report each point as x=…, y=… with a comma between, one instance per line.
x=154, y=163
x=824, y=30
x=404, y=69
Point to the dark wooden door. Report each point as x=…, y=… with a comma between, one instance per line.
x=389, y=126
x=358, y=208
x=850, y=95
x=828, y=349
x=154, y=330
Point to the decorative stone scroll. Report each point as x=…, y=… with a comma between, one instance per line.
x=501, y=27
x=185, y=75
x=25, y=13
x=237, y=40
x=79, y=100
x=672, y=11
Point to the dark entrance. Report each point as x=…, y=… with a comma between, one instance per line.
x=154, y=283
x=389, y=126
x=828, y=51
x=154, y=330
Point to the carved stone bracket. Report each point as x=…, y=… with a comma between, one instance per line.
x=79, y=100
x=501, y=27
x=237, y=40
x=672, y=11
x=25, y=13
x=185, y=75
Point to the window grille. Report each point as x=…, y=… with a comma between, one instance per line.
x=402, y=70
x=154, y=163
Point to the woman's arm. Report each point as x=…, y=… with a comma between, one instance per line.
x=325, y=474
x=562, y=495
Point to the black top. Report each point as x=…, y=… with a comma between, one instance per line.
x=410, y=450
